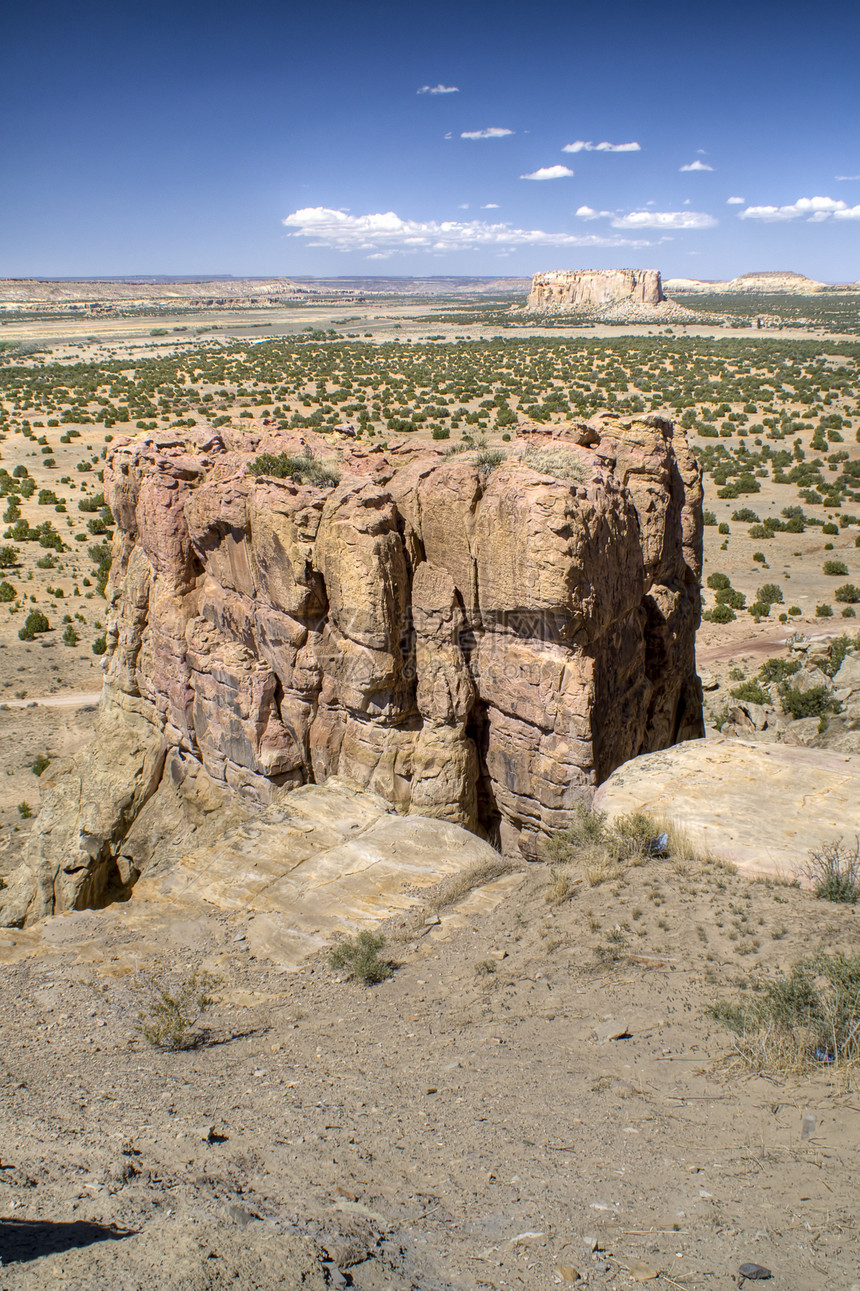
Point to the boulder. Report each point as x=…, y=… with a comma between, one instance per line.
x=760, y=806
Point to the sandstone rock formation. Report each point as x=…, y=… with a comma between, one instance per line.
x=586, y=290
x=473, y=641
x=760, y=807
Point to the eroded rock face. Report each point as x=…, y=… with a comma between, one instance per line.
x=481, y=644
x=568, y=290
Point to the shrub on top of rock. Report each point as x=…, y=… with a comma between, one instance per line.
x=300, y=468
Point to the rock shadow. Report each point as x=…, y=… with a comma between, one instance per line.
x=29, y=1239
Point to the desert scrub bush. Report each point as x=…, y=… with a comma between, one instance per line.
x=750, y=692
x=559, y=462
x=717, y=582
x=170, y=1007
x=814, y=702
x=770, y=594
x=807, y=1018
x=456, y=886
x=834, y=568
x=847, y=594
x=34, y=623
x=778, y=670
x=488, y=459
x=720, y=614
x=833, y=872
x=41, y=764
x=359, y=957
x=300, y=468
x=600, y=849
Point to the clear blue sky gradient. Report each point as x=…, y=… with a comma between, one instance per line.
x=176, y=138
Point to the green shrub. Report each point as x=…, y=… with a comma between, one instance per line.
x=745, y=516
x=718, y=581
x=723, y=527
x=814, y=702
x=778, y=670
x=759, y=609
x=720, y=614
x=34, y=623
x=847, y=594
x=750, y=692
x=7, y=591
x=9, y=557
x=834, y=568
x=731, y=596
x=441, y=432
x=100, y=645
x=25, y=811
x=770, y=594
x=824, y=611
x=709, y=518
x=70, y=636
x=359, y=957
x=301, y=469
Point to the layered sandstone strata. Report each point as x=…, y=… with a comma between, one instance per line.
x=586, y=290
x=477, y=641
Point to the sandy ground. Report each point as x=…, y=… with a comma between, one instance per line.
x=459, y=1126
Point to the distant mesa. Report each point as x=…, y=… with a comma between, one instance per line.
x=605, y=295
x=570, y=290
x=778, y=281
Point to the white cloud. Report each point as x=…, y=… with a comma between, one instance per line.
x=490, y=206
x=664, y=220
x=589, y=213
x=696, y=165
x=549, y=172
x=492, y=132
x=844, y=178
x=735, y=201
x=439, y=89
x=582, y=145
x=385, y=233
x=815, y=210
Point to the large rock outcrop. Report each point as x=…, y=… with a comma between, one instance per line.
x=586, y=290
x=477, y=641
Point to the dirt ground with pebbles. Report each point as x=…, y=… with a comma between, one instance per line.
x=457, y=1126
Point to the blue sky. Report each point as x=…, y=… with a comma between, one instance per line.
x=350, y=138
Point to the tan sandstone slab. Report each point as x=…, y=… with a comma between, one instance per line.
x=762, y=807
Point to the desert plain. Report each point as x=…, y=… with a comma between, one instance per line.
x=538, y=1094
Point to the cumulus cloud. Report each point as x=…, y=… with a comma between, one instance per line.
x=815, y=210
x=583, y=145
x=385, y=233
x=439, y=89
x=735, y=201
x=492, y=132
x=696, y=165
x=589, y=213
x=664, y=220
x=549, y=172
